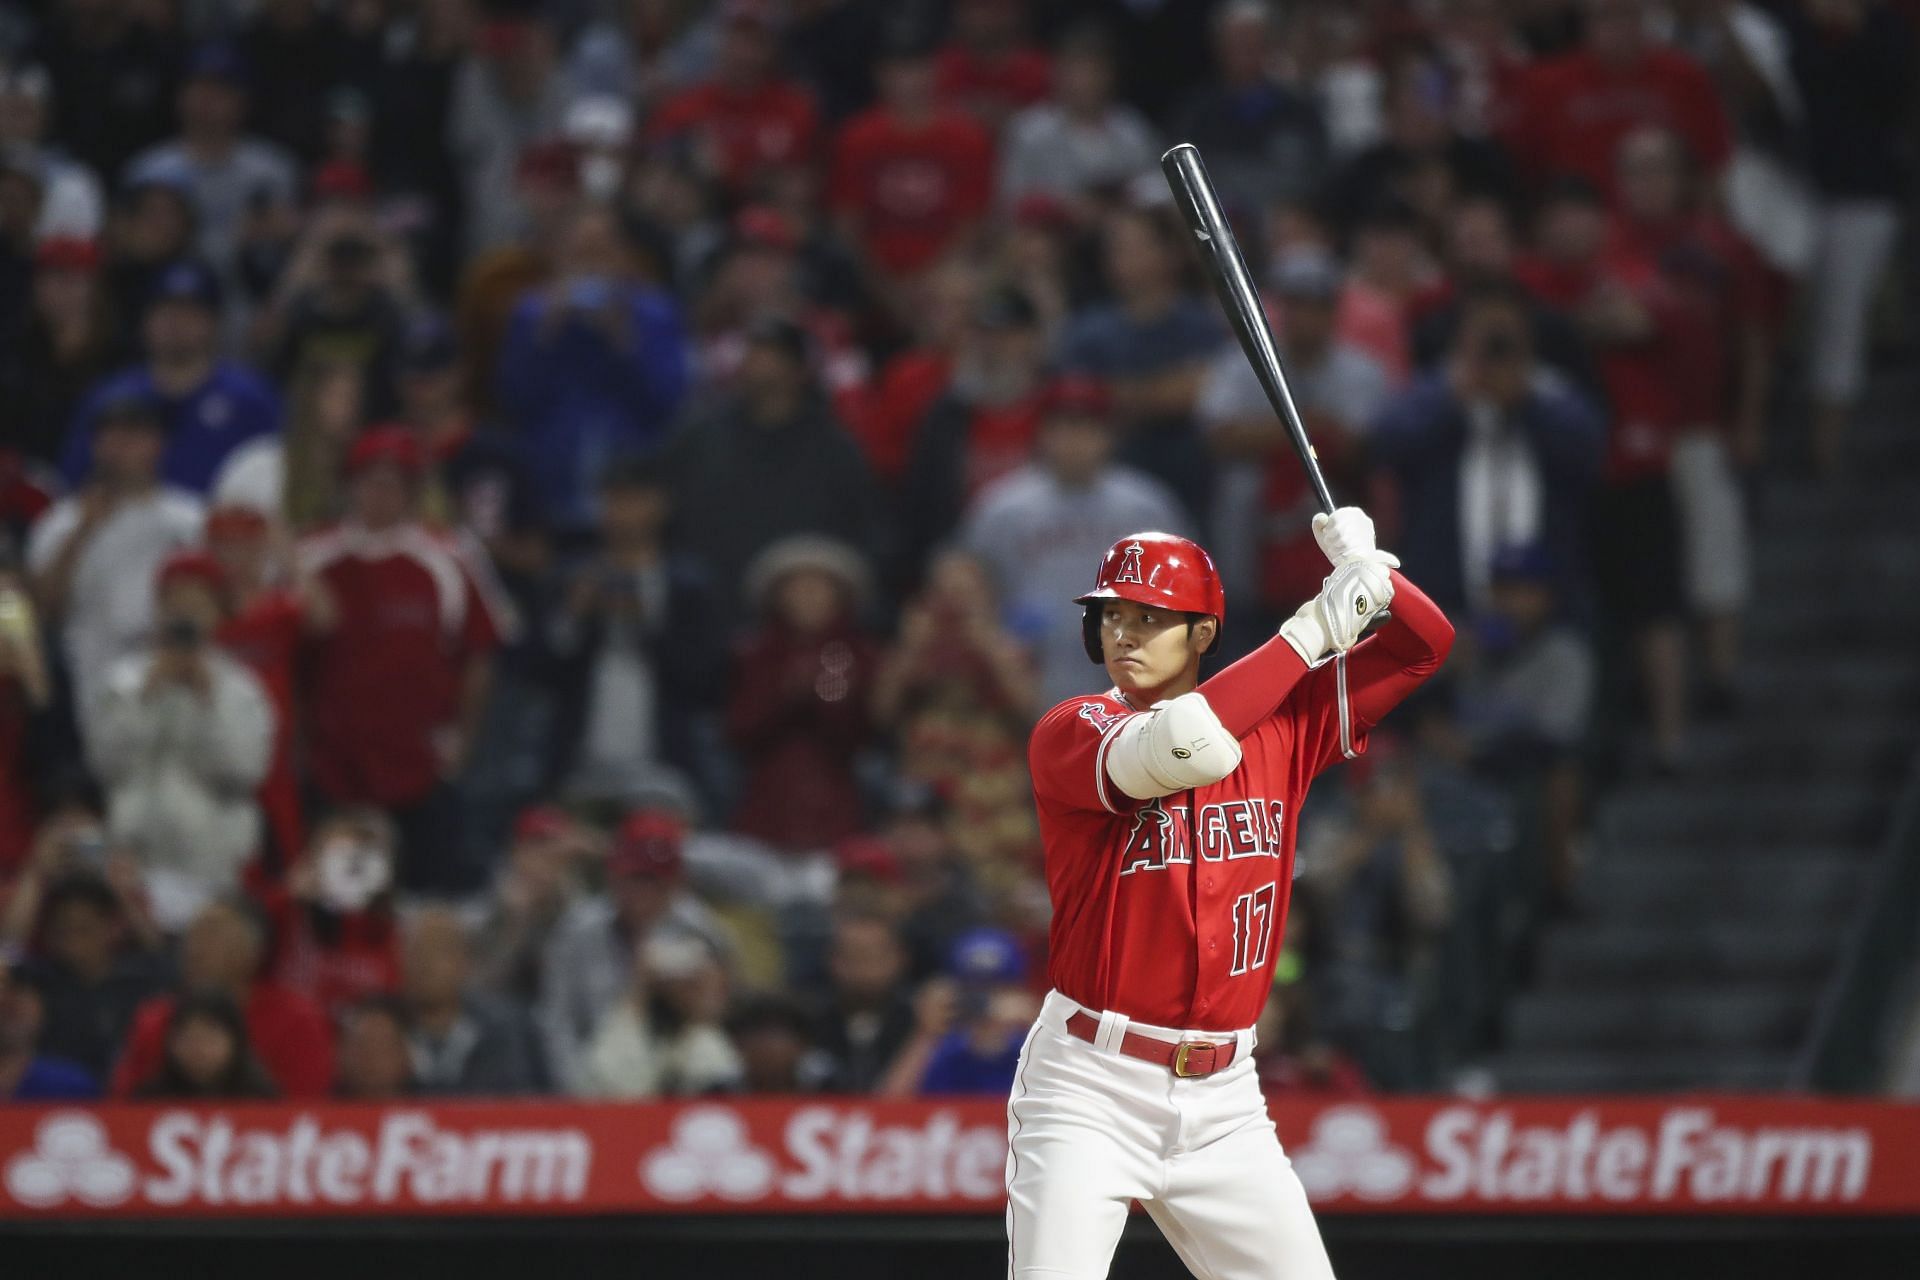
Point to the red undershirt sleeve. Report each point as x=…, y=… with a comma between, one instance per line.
x=1250, y=690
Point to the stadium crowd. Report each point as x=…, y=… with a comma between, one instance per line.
x=534, y=533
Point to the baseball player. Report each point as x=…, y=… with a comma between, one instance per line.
x=1168, y=809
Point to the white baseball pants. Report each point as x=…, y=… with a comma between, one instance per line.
x=1090, y=1130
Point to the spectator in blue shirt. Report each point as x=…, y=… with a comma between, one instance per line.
x=25, y=1074
x=593, y=366
x=972, y=1022
x=210, y=406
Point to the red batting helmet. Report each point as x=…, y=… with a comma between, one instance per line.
x=1155, y=569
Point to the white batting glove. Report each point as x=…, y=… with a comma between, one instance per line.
x=1349, y=598
x=1346, y=537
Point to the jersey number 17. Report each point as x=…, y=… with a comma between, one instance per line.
x=1252, y=928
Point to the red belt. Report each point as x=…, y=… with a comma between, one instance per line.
x=1186, y=1059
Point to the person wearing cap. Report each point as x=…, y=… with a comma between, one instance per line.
x=237, y=179
x=982, y=427
x=970, y=1022
x=212, y=406
x=93, y=555
x=71, y=203
x=1037, y=528
x=1081, y=143
x=27, y=1074
x=798, y=714
x=154, y=226
x=537, y=882
x=911, y=178
x=180, y=737
x=767, y=460
x=593, y=367
x=746, y=117
x=590, y=964
x=509, y=92
x=398, y=685
x=68, y=344
x=1262, y=504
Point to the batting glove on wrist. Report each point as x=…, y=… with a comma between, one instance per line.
x=1349, y=598
x=1346, y=537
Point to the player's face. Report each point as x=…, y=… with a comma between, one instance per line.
x=1149, y=650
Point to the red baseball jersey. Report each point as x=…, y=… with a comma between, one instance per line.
x=1170, y=911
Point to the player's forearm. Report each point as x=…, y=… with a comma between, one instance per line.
x=1390, y=664
x=1247, y=692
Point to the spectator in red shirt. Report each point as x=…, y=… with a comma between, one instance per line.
x=799, y=713
x=207, y=1054
x=1632, y=318
x=987, y=68
x=398, y=683
x=1569, y=113
x=746, y=118
x=264, y=627
x=334, y=922
x=222, y=951
x=910, y=382
x=911, y=178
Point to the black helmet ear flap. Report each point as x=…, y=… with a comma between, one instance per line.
x=1090, y=631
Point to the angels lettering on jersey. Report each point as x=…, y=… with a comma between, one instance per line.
x=1226, y=831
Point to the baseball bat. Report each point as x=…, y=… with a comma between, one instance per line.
x=1193, y=192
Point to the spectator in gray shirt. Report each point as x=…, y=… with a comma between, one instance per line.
x=1080, y=144
x=509, y=93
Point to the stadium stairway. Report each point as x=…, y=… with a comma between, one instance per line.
x=1715, y=907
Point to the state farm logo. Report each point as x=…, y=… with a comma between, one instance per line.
x=709, y=1155
x=1349, y=1154
x=70, y=1158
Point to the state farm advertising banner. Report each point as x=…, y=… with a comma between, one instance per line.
x=1694, y=1155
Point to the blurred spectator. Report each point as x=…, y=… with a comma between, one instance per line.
x=342, y=299
x=800, y=710
x=298, y=52
x=71, y=205
x=641, y=50
x=1636, y=325
x=632, y=638
x=958, y=693
x=266, y=624
x=1424, y=162
x=909, y=383
x=970, y=1026
x=770, y=1038
x=593, y=365
x=1390, y=272
x=153, y=226
x=462, y=1042
x=987, y=67
x=509, y=93
x=764, y=462
x=911, y=178
x=26, y=694
x=590, y=961
x=831, y=45
x=211, y=406
x=116, y=68
x=1262, y=505
x=180, y=735
x=1289, y=1054
x=206, y=1054
x=494, y=280
x=1853, y=62
x=1038, y=529
x=664, y=1037
x=1150, y=345
x=1724, y=338
x=866, y=1016
x=1081, y=145
x=337, y=934
x=244, y=188
x=413, y=80
x=1566, y=115
x=222, y=951
x=537, y=883
x=91, y=968
x=376, y=1062
x=1524, y=699
x=982, y=427
x=399, y=683
x=1486, y=455
x=67, y=345
x=746, y=118
x=27, y=1072
x=1263, y=139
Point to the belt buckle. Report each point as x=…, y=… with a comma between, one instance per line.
x=1180, y=1052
